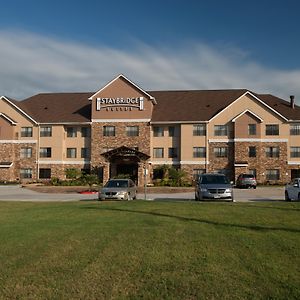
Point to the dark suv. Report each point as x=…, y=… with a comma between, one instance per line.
x=246, y=181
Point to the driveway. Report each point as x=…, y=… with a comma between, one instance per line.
x=17, y=193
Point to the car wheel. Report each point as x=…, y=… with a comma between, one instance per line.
x=286, y=196
x=196, y=197
x=254, y=187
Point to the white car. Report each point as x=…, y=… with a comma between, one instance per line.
x=292, y=190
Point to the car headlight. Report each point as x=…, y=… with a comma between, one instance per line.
x=228, y=191
x=122, y=193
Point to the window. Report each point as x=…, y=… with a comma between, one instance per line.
x=272, y=151
x=85, y=153
x=252, y=151
x=173, y=153
x=158, y=152
x=45, y=152
x=158, y=131
x=221, y=130
x=295, y=151
x=109, y=131
x=220, y=152
x=171, y=131
x=132, y=130
x=197, y=172
x=46, y=131
x=71, y=132
x=295, y=129
x=26, y=131
x=85, y=131
x=253, y=172
x=272, y=129
x=45, y=173
x=26, y=173
x=272, y=174
x=251, y=129
x=26, y=152
x=199, y=129
x=71, y=153
x=199, y=151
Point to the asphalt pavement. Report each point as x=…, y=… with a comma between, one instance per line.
x=18, y=193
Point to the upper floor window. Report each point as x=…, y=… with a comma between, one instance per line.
x=251, y=129
x=221, y=130
x=158, y=131
x=173, y=152
x=26, y=131
x=252, y=151
x=85, y=153
x=71, y=152
x=199, y=152
x=220, y=151
x=272, y=129
x=46, y=131
x=199, y=129
x=158, y=152
x=272, y=151
x=295, y=129
x=85, y=131
x=71, y=132
x=26, y=153
x=171, y=131
x=132, y=130
x=45, y=152
x=295, y=151
x=109, y=131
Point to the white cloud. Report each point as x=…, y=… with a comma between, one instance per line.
x=30, y=64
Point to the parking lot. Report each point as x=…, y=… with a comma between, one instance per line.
x=17, y=193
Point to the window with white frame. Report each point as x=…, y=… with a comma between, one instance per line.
x=26, y=173
x=71, y=152
x=71, y=132
x=295, y=129
x=199, y=129
x=158, y=131
x=272, y=151
x=109, y=131
x=158, y=152
x=272, y=174
x=26, y=152
x=295, y=152
x=220, y=152
x=132, y=130
x=221, y=130
x=272, y=129
x=199, y=152
x=45, y=152
x=45, y=131
x=26, y=131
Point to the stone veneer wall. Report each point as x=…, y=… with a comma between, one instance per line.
x=10, y=152
x=261, y=163
x=120, y=139
x=216, y=163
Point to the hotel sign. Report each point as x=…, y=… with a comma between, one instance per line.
x=121, y=103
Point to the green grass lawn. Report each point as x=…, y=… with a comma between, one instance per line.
x=149, y=250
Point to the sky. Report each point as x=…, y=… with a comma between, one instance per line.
x=79, y=46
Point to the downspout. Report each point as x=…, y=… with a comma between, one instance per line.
x=37, y=154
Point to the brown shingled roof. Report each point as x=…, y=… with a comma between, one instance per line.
x=58, y=107
x=191, y=105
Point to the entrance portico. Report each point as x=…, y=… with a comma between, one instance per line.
x=127, y=162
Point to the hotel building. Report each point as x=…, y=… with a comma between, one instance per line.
x=123, y=129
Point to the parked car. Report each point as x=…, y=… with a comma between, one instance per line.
x=246, y=181
x=213, y=186
x=292, y=190
x=118, y=189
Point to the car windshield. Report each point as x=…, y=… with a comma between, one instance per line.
x=117, y=184
x=214, y=179
x=248, y=176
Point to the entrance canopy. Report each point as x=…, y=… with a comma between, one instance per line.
x=125, y=152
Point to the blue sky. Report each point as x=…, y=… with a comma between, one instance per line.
x=48, y=46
